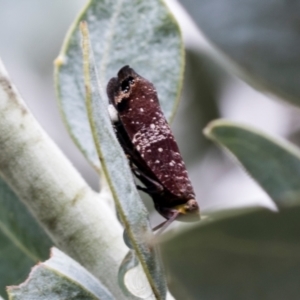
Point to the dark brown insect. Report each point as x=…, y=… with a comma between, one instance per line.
x=149, y=144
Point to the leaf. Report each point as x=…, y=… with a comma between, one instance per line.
x=142, y=34
x=22, y=241
x=59, y=278
x=130, y=208
x=244, y=255
x=274, y=164
x=260, y=37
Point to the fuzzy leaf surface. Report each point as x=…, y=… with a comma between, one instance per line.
x=131, y=210
x=59, y=278
x=142, y=34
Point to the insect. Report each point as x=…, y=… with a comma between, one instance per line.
x=149, y=144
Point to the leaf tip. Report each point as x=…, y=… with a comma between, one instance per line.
x=207, y=131
x=210, y=128
x=60, y=60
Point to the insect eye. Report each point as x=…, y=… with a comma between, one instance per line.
x=125, y=85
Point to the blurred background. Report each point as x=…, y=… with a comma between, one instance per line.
x=31, y=34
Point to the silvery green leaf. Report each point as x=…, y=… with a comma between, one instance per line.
x=131, y=210
x=59, y=278
x=273, y=163
x=142, y=34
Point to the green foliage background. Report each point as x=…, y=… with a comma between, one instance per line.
x=244, y=253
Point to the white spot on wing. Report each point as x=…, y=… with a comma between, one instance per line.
x=155, y=132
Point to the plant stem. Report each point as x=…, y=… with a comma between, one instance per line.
x=73, y=215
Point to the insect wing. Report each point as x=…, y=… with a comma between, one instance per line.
x=136, y=101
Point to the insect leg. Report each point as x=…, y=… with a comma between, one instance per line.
x=154, y=188
x=135, y=162
x=162, y=226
